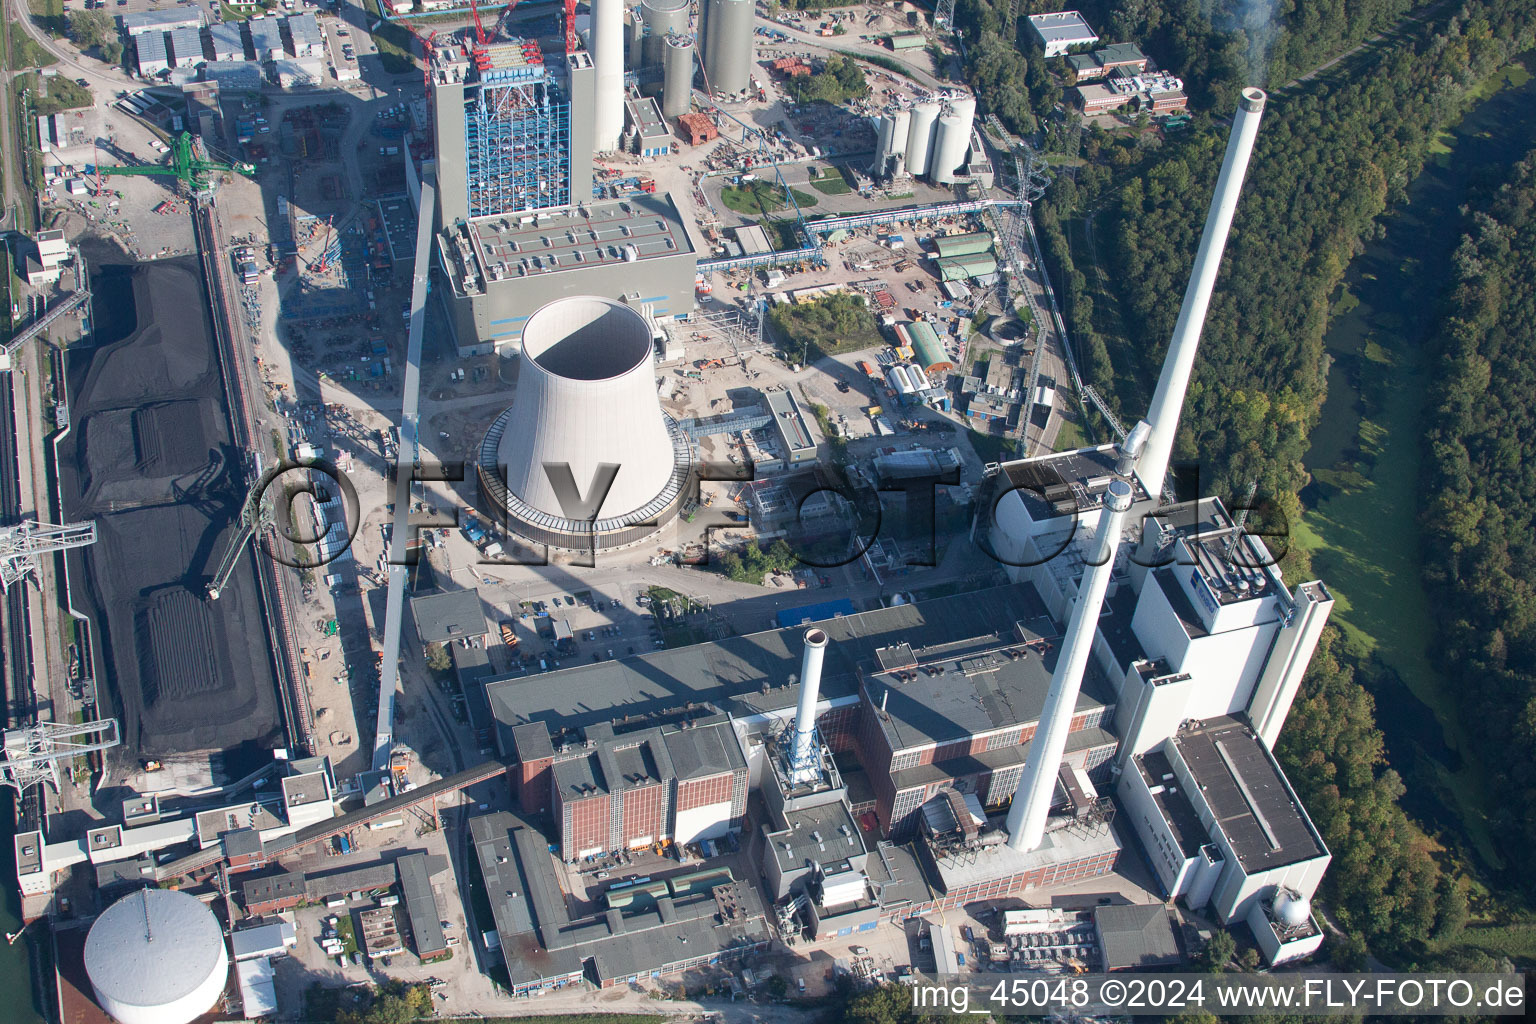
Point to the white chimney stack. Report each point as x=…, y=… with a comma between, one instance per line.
x=1168, y=399
x=608, y=59
x=1037, y=786
x=805, y=763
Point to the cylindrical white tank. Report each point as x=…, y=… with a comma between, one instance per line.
x=608, y=60
x=661, y=17
x=951, y=140
x=677, y=76
x=920, y=137
x=156, y=957
x=728, y=45
x=883, y=128
x=586, y=398
x=901, y=127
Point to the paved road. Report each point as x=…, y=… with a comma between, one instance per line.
x=854, y=45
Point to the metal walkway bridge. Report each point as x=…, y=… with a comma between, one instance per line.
x=48, y=319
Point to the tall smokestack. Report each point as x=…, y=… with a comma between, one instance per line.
x=1032, y=800
x=804, y=761
x=1168, y=399
x=608, y=59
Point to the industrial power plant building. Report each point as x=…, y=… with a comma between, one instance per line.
x=982, y=744
x=515, y=132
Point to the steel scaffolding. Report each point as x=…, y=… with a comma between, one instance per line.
x=518, y=145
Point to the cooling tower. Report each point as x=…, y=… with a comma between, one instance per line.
x=950, y=141
x=677, y=76
x=608, y=59
x=728, y=45
x=585, y=416
x=920, y=137
x=661, y=17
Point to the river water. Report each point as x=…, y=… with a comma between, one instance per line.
x=1365, y=459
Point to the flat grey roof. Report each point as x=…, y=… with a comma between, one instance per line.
x=645, y=114
x=1177, y=811
x=274, y=887
x=826, y=835
x=442, y=618
x=789, y=421
x=304, y=789
x=1249, y=795
x=372, y=876
x=416, y=871
x=29, y=852
x=145, y=21
x=1066, y=483
x=965, y=687
x=507, y=244
x=540, y=939
x=1061, y=25
x=1138, y=936
x=749, y=674
x=242, y=843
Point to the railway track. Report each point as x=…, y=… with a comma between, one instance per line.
x=298, y=717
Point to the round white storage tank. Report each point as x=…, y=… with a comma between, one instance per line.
x=884, y=127
x=1291, y=908
x=661, y=17
x=677, y=76
x=950, y=142
x=156, y=957
x=901, y=128
x=728, y=44
x=920, y=137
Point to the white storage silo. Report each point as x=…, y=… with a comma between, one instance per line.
x=661, y=18
x=920, y=137
x=728, y=46
x=951, y=140
x=883, y=128
x=677, y=75
x=156, y=957
x=900, y=130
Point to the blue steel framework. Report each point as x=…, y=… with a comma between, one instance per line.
x=517, y=143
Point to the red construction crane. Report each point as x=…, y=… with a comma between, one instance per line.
x=474, y=12
x=570, y=27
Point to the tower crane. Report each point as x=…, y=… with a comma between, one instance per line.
x=186, y=166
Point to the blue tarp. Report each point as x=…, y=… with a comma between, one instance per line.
x=816, y=612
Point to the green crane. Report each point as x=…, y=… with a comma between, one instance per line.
x=191, y=169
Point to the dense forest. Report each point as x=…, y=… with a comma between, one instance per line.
x=1120, y=230
x=1480, y=472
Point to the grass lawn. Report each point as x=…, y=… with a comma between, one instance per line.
x=760, y=197
x=50, y=15
x=831, y=183
x=826, y=326
x=64, y=94
x=244, y=13
x=26, y=54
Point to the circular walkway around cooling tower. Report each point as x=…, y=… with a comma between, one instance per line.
x=586, y=397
